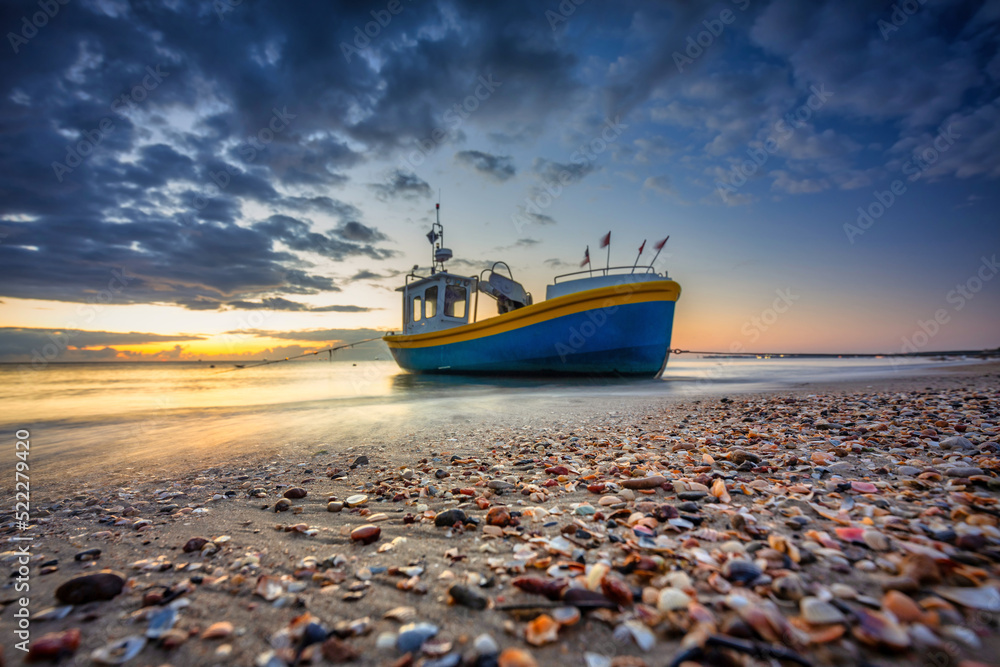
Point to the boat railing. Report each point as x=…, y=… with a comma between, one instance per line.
x=606, y=272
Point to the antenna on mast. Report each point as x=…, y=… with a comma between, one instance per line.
x=439, y=254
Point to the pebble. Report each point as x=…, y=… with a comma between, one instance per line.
x=515, y=657
x=413, y=635
x=651, y=482
x=283, y=505
x=220, y=630
x=366, y=534
x=963, y=471
x=334, y=506
x=295, y=493
x=498, y=516
x=820, y=612
x=90, y=588
x=467, y=597
x=356, y=500
x=450, y=518
x=54, y=646
x=957, y=442
x=88, y=555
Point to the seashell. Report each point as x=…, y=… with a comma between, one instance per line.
x=543, y=630
x=820, y=612
x=161, y=623
x=268, y=588
x=875, y=540
x=550, y=588
x=719, y=491
x=566, y=615
x=515, y=657
x=355, y=500
x=876, y=629
x=672, y=599
x=984, y=598
x=584, y=599
x=789, y=587
x=902, y=606
x=616, y=590
x=642, y=635
x=740, y=570
x=119, y=652
x=52, y=613
x=401, y=614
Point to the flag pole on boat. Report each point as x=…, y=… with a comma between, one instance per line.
x=606, y=243
x=586, y=261
x=659, y=248
x=641, y=248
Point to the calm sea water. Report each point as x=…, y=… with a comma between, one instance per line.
x=136, y=416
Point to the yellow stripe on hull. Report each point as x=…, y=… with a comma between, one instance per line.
x=602, y=297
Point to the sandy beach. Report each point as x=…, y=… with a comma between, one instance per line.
x=844, y=523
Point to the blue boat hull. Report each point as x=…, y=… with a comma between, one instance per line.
x=623, y=339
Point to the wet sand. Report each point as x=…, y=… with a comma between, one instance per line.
x=835, y=524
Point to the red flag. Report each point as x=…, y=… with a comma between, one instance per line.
x=659, y=246
x=586, y=257
x=643, y=246
x=606, y=241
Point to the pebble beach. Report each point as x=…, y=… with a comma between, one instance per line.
x=837, y=524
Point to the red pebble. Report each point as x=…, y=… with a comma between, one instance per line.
x=366, y=534
x=54, y=645
x=557, y=470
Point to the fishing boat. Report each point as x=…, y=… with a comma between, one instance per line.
x=611, y=321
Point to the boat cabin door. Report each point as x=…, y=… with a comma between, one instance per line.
x=436, y=303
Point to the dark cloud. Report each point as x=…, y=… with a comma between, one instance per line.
x=298, y=235
x=25, y=343
x=499, y=168
x=343, y=309
x=168, y=119
x=402, y=184
x=562, y=173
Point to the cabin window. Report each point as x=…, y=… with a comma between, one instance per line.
x=430, y=301
x=455, y=300
x=416, y=312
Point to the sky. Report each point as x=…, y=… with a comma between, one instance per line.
x=239, y=179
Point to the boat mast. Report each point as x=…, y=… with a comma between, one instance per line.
x=437, y=241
